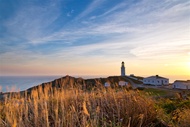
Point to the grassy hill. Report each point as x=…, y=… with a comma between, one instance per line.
x=68, y=102
x=85, y=84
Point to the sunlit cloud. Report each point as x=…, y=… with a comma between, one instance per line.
x=59, y=33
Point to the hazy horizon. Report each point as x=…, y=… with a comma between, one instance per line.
x=93, y=37
x=172, y=78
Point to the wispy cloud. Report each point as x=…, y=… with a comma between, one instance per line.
x=145, y=30
x=90, y=8
x=122, y=22
x=70, y=13
x=31, y=22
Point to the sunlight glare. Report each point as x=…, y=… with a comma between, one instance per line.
x=188, y=64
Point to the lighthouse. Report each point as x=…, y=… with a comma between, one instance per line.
x=122, y=69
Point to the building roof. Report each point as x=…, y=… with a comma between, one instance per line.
x=138, y=77
x=157, y=77
x=183, y=81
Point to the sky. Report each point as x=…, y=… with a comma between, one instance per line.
x=93, y=37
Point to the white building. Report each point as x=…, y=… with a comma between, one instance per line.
x=180, y=84
x=123, y=83
x=156, y=80
x=122, y=69
x=107, y=84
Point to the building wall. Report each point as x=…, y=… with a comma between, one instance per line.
x=123, y=83
x=155, y=81
x=181, y=85
x=107, y=84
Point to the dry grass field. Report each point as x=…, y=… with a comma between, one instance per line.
x=50, y=107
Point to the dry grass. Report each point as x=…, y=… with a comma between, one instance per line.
x=50, y=107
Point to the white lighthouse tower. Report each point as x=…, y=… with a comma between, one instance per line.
x=122, y=69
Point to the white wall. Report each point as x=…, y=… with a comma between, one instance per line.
x=107, y=84
x=155, y=81
x=181, y=85
x=123, y=83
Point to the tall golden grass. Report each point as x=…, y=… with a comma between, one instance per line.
x=51, y=107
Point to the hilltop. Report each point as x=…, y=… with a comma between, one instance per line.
x=70, y=101
x=69, y=82
x=72, y=82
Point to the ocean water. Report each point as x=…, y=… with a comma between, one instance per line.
x=19, y=83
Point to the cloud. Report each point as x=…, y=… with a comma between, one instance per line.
x=122, y=22
x=161, y=51
x=90, y=8
x=129, y=20
x=31, y=22
x=146, y=30
x=70, y=13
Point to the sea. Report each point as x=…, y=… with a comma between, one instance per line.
x=19, y=83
